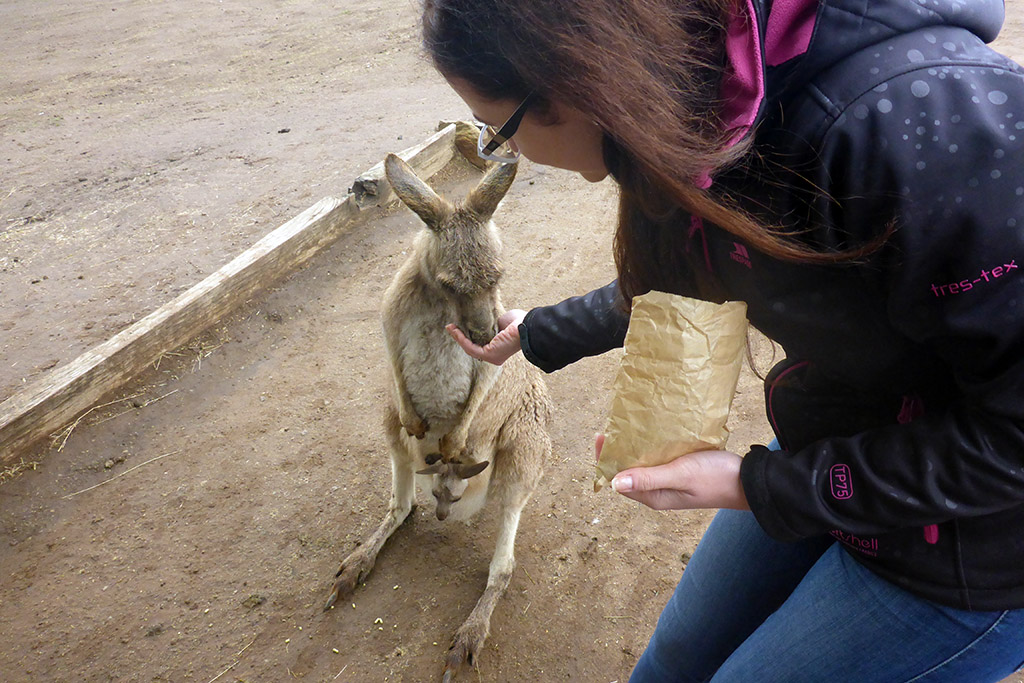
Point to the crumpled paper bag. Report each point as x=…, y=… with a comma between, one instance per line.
x=676, y=381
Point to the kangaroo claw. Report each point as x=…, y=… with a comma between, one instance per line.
x=352, y=572
x=331, y=599
x=462, y=651
x=342, y=586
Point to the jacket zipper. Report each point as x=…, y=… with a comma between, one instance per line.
x=771, y=393
x=910, y=409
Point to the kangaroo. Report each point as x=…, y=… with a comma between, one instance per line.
x=472, y=430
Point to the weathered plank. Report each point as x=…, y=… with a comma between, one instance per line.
x=372, y=188
x=466, y=134
x=68, y=391
x=60, y=396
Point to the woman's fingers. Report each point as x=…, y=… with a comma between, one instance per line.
x=706, y=479
x=465, y=342
x=503, y=346
x=671, y=475
x=660, y=499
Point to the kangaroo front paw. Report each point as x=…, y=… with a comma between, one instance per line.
x=465, y=648
x=415, y=426
x=354, y=570
x=453, y=447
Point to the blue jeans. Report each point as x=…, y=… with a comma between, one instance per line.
x=749, y=608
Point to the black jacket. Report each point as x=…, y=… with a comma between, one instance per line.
x=900, y=406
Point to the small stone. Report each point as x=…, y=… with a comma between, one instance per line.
x=253, y=601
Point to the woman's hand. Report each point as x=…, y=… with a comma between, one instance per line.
x=503, y=346
x=705, y=479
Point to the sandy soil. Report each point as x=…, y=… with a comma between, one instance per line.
x=143, y=147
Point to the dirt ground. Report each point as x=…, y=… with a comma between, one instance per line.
x=189, y=530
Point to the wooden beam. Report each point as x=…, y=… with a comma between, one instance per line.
x=372, y=188
x=61, y=395
x=466, y=135
x=66, y=392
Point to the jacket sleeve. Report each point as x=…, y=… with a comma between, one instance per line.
x=555, y=336
x=953, y=278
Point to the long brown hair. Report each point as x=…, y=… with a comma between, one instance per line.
x=648, y=73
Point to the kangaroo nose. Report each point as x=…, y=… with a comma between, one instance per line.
x=481, y=337
x=442, y=511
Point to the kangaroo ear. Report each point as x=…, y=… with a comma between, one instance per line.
x=436, y=468
x=415, y=193
x=467, y=471
x=484, y=198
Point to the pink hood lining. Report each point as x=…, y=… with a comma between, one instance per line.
x=787, y=35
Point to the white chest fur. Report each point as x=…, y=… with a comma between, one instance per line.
x=438, y=374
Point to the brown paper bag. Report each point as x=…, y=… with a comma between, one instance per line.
x=675, y=383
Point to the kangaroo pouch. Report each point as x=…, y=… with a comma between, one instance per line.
x=438, y=374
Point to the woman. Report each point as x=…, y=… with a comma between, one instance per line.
x=851, y=170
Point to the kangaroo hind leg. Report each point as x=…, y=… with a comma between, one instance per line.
x=512, y=485
x=357, y=566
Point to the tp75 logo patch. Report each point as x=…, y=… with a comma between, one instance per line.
x=842, y=484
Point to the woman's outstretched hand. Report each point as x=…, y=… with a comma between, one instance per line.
x=705, y=479
x=504, y=345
